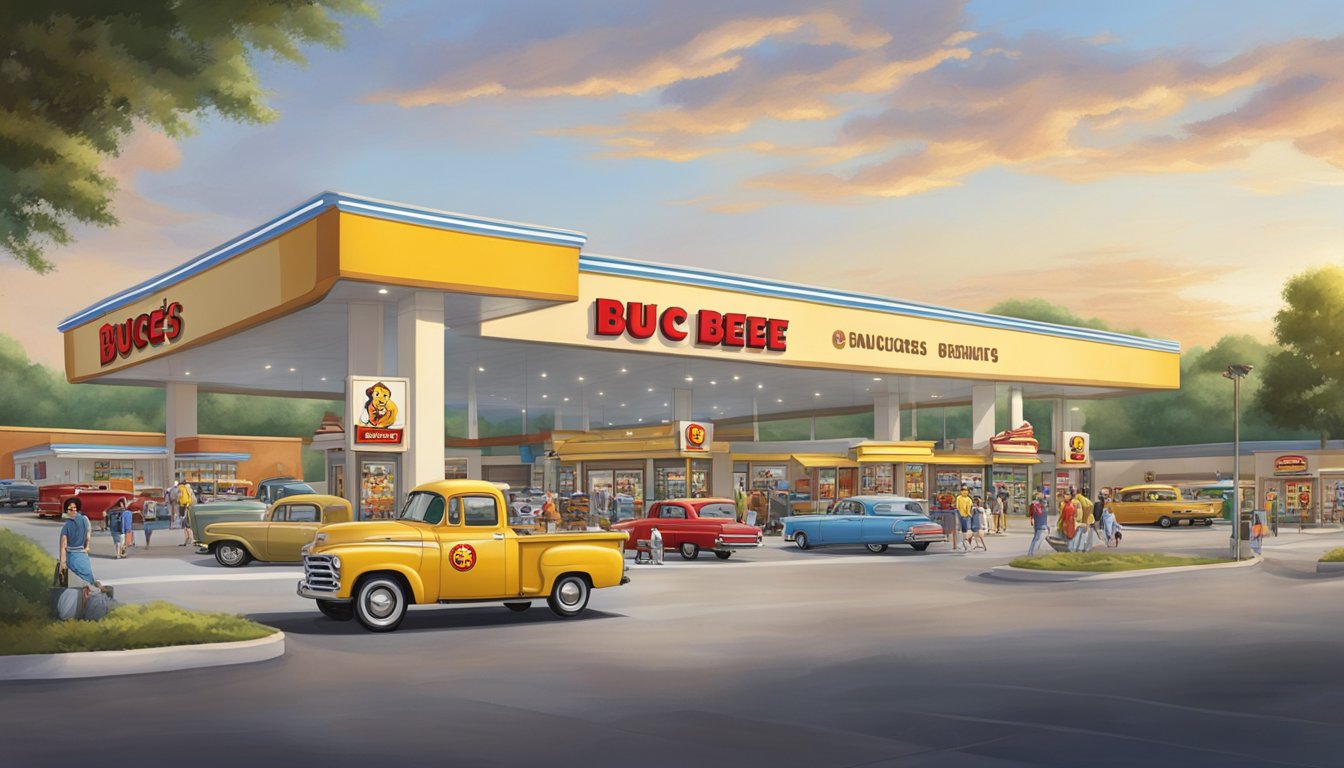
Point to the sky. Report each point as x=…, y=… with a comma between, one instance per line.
x=1165, y=166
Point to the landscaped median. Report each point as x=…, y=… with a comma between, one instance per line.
x=1089, y=566
x=1331, y=562
x=131, y=638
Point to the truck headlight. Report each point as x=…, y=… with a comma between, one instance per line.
x=336, y=563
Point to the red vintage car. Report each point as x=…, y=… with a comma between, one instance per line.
x=690, y=525
x=93, y=501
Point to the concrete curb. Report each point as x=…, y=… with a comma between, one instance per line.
x=1009, y=573
x=1329, y=567
x=48, y=666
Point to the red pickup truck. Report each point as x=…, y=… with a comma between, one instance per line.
x=690, y=525
x=93, y=501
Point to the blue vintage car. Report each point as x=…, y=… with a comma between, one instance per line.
x=876, y=522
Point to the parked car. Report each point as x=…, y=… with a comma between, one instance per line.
x=51, y=498
x=876, y=522
x=93, y=501
x=150, y=503
x=690, y=525
x=208, y=512
x=1161, y=504
x=288, y=526
x=18, y=493
x=273, y=489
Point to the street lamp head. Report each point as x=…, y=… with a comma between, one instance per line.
x=1238, y=371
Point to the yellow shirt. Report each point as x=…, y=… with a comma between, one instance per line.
x=964, y=505
x=1084, y=506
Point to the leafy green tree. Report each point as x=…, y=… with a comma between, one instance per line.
x=1045, y=312
x=1304, y=381
x=76, y=78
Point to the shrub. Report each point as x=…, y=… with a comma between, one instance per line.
x=25, y=574
x=1109, y=561
x=1333, y=556
x=149, y=625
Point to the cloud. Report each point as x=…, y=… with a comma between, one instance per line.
x=900, y=99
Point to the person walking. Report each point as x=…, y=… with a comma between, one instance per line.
x=1079, y=525
x=1086, y=519
x=1000, y=514
x=978, y=523
x=1039, y=524
x=74, y=544
x=1110, y=526
x=112, y=521
x=170, y=499
x=1068, y=521
x=964, y=506
x=186, y=499
x=127, y=525
x=1259, y=527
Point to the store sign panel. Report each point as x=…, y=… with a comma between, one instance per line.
x=379, y=413
x=694, y=436
x=148, y=329
x=1075, y=448
x=710, y=328
x=1290, y=465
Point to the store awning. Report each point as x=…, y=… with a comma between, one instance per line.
x=959, y=461
x=213, y=456
x=91, y=451
x=825, y=460
x=892, y=453
x=1016, y=459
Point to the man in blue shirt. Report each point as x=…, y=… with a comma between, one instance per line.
x=1038, y=523
x=74, y=553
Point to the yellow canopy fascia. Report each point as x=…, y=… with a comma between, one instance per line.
x=1016, y=460
x=814, y=460
x=894, y=452
x=960, y=461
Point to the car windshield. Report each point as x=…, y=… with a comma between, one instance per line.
x=897, y=509
x=423, y=507
x=719, y=511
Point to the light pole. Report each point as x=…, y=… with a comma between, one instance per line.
x=1236, y=373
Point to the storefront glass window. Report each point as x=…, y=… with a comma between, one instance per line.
x=914, y=481
x=629, y=500
x=454, y=469
x=825, y=484
x=877, y=478
x=1013, y=479
x=601, y=485
x=700, y=477
x=844, y=482
x=378, y=489
x=564, y=480
x=669, y=479
x=947, y=483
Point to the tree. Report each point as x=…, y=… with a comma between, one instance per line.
x=1304, y=382
x=77, y=77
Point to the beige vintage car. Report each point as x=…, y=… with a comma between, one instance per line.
x=278, y=537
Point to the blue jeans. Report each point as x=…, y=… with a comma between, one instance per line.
x=78, y=563
x=1076, y=543
x=1036, y=540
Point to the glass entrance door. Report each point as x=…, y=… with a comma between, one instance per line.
x=377, y=488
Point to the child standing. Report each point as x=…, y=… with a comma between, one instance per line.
x=978, y=514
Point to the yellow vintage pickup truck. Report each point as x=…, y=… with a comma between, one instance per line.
x=451, y=543
x=1161, y=504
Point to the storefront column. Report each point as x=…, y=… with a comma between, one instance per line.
x=584, y=423
x=559, y=422
x=681, y=405
x=179, y=420
x=363, y=357
x=473, y=429
x=982, y=414
x=1014, y=407
x=721, y=476
x=420, y=359
x=887, y=416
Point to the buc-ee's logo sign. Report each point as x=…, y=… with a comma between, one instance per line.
x=715, y=329
x=695, y=435
x=150, y=329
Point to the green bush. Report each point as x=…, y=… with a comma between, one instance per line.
x=1333, y=556
x=1109, y=561
x=128, y=626
x=25, y=574
x=26, y=625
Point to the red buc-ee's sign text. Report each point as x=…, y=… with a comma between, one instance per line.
x=715, y=329
x=149, y=329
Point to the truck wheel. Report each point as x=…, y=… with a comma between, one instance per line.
x=334, y=610
x=380, y=604
x=920, y=546
x=517, y=607
x=689, y=551
x=569, y=596
x=875, y=548
x=1208, y=521
x=1164, y=521
x=800, y=540
x=231, y=555
x=723, y=555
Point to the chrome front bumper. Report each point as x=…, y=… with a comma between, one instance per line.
x=933, y=538
x=304, y=591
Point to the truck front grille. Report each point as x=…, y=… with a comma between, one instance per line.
x=319, y=575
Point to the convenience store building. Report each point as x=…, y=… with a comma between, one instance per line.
x=654, y=377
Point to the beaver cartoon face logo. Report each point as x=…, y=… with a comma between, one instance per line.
x=379, y=409
x=838, y=339
x=462, y=557
x=695, y=435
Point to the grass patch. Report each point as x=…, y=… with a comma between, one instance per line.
x=1333, y=556
x=1109, y=561
x=26, y=626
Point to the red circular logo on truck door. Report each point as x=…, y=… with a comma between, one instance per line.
x=462, y=557
x=695, y=435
